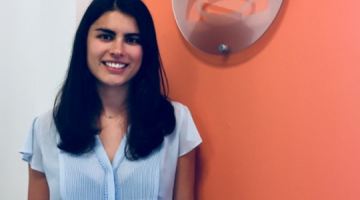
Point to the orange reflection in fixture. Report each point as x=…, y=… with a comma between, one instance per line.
x=223, y=7
x=224, y=27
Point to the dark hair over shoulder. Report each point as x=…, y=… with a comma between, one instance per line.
x=78, y=106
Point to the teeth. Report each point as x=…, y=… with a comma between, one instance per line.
x=115, y=65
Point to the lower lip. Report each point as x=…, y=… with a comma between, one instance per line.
x=115, y=70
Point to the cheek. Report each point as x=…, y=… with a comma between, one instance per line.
x=94, y=53
x=138, y=54
x=90, y=52
x=92, y=48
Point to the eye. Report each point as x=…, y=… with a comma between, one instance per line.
x=105, y=37
x=132, y=40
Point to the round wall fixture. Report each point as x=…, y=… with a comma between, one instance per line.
x=224, y=33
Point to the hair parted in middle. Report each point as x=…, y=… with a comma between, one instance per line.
x=78, y=107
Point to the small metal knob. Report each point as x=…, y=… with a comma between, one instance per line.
x=223, y=48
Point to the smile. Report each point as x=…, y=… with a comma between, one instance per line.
x=115, y=65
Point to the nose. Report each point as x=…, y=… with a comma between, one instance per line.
x=117, y=48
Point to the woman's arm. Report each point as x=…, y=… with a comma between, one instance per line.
x=38, y=187
x=185, y=177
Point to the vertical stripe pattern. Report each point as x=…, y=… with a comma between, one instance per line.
x=139, y=180
x=92, y=177
x=81, y=177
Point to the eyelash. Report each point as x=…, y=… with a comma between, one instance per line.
x=131, y=40
x=105, y=37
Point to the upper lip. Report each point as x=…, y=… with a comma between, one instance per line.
x=116, y=62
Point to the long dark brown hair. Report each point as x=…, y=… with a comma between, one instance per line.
x=78, y=107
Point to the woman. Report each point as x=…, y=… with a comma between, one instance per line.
x=113, y=133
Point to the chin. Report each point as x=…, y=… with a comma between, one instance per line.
x=117, y=84
x=111, y=83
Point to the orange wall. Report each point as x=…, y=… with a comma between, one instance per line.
x=280, y=120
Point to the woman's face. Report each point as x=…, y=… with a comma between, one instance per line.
x=114, y=52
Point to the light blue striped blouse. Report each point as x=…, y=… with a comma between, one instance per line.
x=92, y=176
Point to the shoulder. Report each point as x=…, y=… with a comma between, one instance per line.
x=186, y=134
x=44, y=125
x=183, y=115
x=45, y=119
x=180, y=110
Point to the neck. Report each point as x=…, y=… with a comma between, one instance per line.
x=113, y=99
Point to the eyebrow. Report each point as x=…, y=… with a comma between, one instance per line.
x=113, y=32
x=132, y=35
x=106, y=31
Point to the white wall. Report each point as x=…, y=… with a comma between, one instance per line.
x=35, y=44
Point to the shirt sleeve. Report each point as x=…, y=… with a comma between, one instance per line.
x=30, y=150
x=189, y=135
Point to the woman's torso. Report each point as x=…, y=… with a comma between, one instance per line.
x=92, y=176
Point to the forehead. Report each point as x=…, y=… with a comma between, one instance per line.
x=116, y=21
